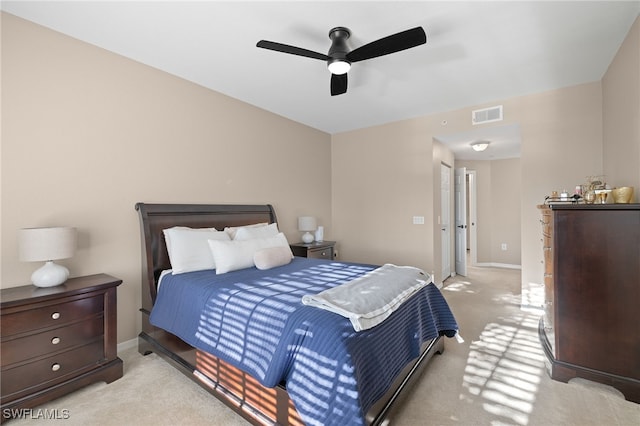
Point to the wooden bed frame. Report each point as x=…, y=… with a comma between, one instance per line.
x=241, y=392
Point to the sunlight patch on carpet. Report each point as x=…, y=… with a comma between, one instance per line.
x=504, y=369
x=459, y=287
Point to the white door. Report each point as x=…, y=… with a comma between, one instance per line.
x=445, y=222
x=460, y=189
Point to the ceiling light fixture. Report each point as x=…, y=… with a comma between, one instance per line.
x=480, y=145
x=339, y=66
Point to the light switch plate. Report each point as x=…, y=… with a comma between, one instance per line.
x=418, y=220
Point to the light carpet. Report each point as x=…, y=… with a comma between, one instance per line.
x=496, y=377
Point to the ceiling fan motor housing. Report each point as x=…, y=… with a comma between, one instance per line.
x=338, y=50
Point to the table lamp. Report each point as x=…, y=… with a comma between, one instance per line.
x=307, y=224
x=47, y=245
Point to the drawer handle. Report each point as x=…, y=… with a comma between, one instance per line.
x=56, y=367
x=55, y=315
x=55, y=340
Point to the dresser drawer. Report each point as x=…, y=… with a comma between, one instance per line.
x=50, y=315
x=31, y=346
x=324, y=253
x=49, y=371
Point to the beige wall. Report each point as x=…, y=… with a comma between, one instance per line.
x=382, y=176
x=505, y=223
x=380, y=173
x=561, y=146
x=621, y=115
x=86, y=134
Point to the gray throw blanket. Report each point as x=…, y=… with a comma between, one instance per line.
x=371, y=298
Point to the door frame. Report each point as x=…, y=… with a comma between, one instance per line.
x=472, y=244
x=444, y=222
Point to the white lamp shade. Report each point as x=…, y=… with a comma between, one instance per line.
x=307, y=223
x=44, y=244
x=47, y=244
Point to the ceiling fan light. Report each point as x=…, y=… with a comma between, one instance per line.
x=339, y=67
x=480, y=146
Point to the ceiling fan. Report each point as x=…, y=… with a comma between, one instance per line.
x=339, y=58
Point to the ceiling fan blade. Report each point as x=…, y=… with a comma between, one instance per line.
x=338, y=84
x=390, y=44
x=285, y=48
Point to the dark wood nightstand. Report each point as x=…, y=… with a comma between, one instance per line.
x=56, y=340
x=315, y=250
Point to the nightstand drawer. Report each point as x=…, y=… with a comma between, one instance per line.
x=325, y=253
x=50, y=315
x=49, y=371
x=51, y=341
x=315, y=250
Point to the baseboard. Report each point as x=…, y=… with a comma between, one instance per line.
x=498, y=265
x=133, y=343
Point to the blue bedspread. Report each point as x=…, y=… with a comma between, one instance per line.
x=255, y=320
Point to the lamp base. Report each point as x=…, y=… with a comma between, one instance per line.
x=307, y=237
x=49, y=275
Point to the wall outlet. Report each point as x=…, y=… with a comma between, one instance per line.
x=504, y=246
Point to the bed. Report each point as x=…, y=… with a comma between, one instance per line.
x=265, y=395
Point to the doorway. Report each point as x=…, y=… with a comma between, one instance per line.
x=465, y=219
x=465, y=249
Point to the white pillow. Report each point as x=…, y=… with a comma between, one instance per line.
x=251, y=232
x=271, y=257
x=170, y=231
x=188, y=248
x=231, y=230
x=233, y=255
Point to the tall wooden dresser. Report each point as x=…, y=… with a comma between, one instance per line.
x=591, y=322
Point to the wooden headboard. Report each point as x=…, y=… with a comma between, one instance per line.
x=156, y=217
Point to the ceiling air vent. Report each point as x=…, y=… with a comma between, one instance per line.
x=486, y=115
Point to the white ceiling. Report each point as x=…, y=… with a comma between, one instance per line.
x=476, y=52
